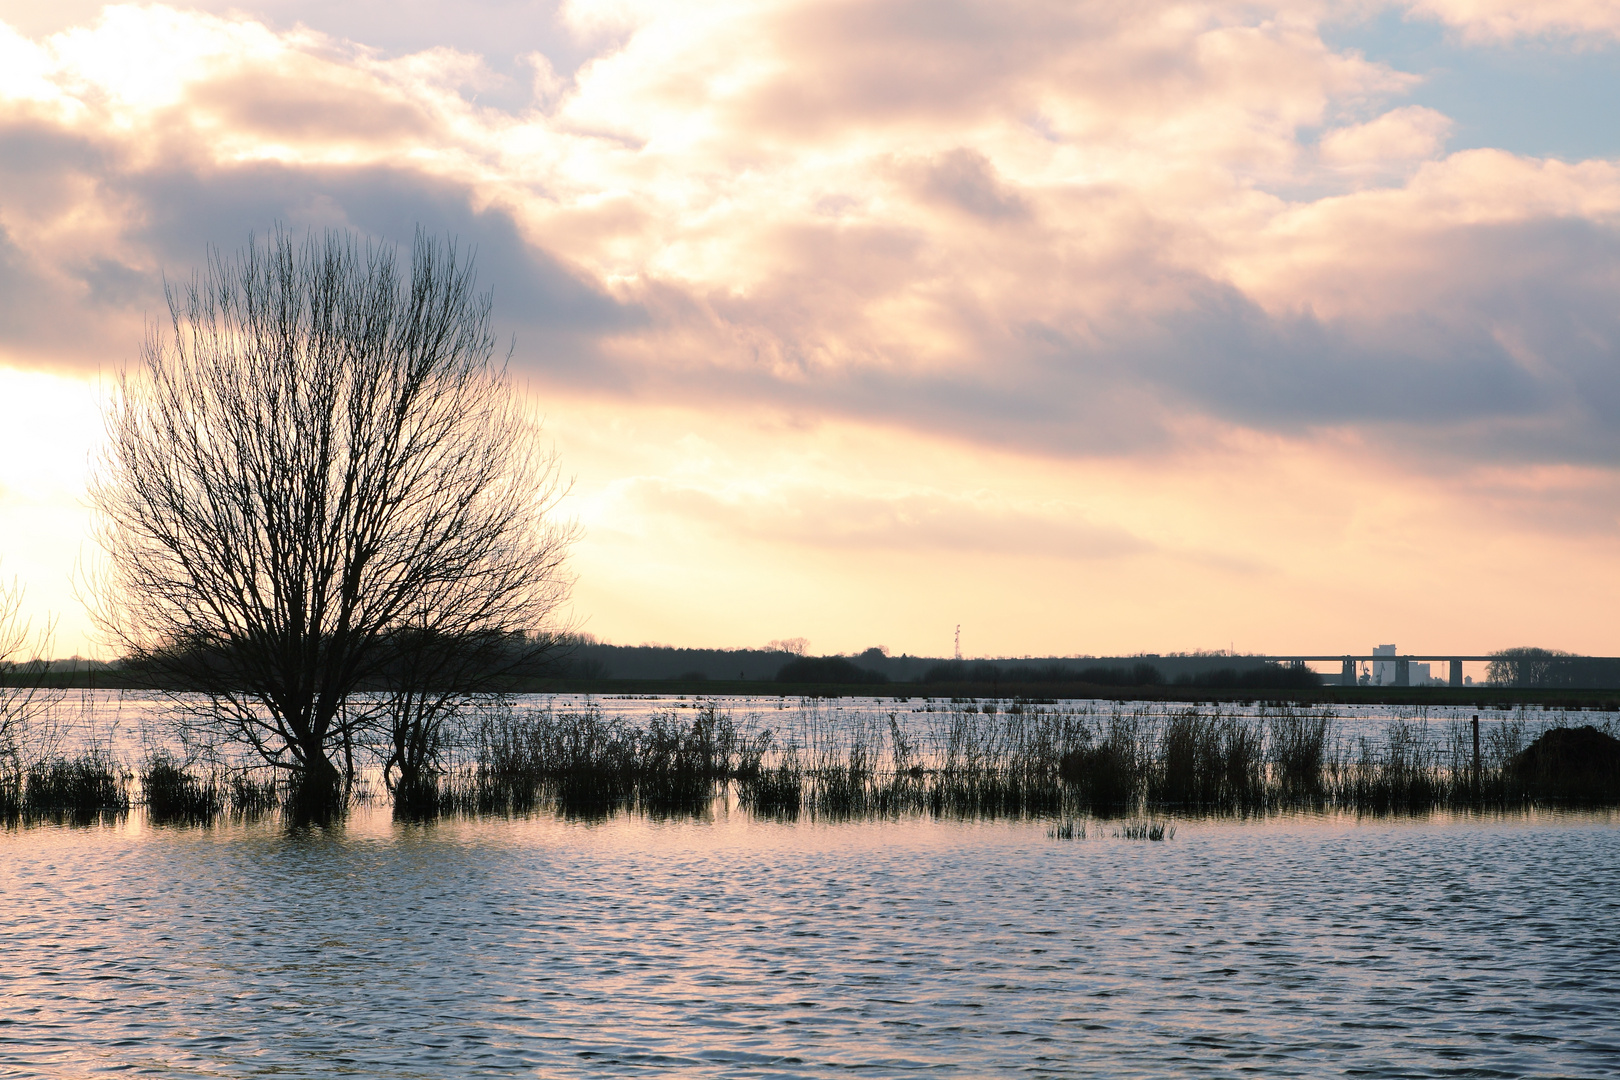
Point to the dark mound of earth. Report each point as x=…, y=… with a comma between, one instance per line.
x=1570, y=763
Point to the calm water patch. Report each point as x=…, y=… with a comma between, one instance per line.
x=1301, y=945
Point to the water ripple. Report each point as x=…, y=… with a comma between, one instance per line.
x=1299, y=946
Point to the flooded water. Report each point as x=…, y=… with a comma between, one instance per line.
x=728, y=947
x=132, y=724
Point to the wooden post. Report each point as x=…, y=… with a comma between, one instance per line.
x=1476, y=755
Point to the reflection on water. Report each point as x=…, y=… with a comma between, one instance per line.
x=1303, y=945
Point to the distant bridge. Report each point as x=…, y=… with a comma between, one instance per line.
x=1403, y=663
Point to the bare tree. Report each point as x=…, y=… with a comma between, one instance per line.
x=1530, y=666
x=25, y=695
x=316, y=461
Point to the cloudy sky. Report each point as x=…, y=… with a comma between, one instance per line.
x=1093, y=327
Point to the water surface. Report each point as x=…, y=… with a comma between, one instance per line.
x=1301, y=945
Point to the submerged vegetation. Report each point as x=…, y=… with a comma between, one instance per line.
x=966, y=758
x=78, y=789
x=1018, y=759
x=174, y=794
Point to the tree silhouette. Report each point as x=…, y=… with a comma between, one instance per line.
x=316, y=467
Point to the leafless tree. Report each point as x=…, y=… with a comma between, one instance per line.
x=25, y=696
x=316, y=461
x=1530, y=666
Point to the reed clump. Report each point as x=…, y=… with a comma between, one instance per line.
x=1299, y=753
x=1403, y=773
x=1108, y=768
x=11, y=795
x=1143, y=829
x=88, y=785
x=1207, y=762
x=1006, y=765
x=249, y=795
x=589, y=764
x=172, y=793
x=775, y=792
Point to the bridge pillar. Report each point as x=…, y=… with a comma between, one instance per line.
x=1347, y=672
x=1456, y=673
x=1403, y=673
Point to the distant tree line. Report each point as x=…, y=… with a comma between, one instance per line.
x=584, y=658
x=1527, y=666
x=1258, y=675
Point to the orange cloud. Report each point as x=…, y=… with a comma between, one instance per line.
x=1143, y=253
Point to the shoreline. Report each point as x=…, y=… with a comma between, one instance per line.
x=1482, y=697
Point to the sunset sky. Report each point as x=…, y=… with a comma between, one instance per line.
x=1092, y=327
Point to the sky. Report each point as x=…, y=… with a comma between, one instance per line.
x=1091, y=328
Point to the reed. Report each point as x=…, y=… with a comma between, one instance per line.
x=90, y=784
x=171, y=793
x=969, y=758
x=1402, y=773
x=11, y=795
x=1207, y=761
x=776, y=792
x=1109, y=771
x=1146, y=830
x=1299, y=753
x=590, y=765
x=249, y=796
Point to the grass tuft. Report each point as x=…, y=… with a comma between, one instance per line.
x=173, y=794
x=84, y=786
x=1146, y=830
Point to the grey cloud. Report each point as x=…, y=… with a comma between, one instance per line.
x=1224, y=355
x=965, y=179
x=18, y=289
x=90, y=309
x=1516, y=357
x=111, y=283
x=1513, y=353
x=535, y=293
x=35, y=158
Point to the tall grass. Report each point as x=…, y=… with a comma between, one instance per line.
x=249, y=794
x=172, y=793
x=1299, y=753
x=589, y=764
x=978, y=759
x=11, y=794
x=965, y=758
x=88, y=785
x=1146, y=830
x=1207, y=762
